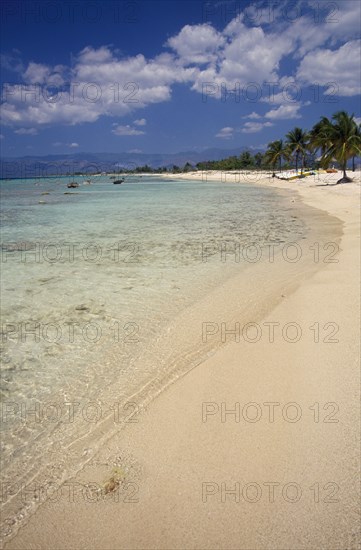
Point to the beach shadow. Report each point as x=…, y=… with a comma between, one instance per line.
x=327, y=184
x=333, y=184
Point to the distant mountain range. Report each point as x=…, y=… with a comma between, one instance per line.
x=36, y=166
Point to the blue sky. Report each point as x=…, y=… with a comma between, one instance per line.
x=172, y=76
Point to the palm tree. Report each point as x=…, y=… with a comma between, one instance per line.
x=319, y=136
x=274, y=154
x=297, y=143
x=340, y=139
x=358, y=133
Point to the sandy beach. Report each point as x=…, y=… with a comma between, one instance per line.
x=257, y=447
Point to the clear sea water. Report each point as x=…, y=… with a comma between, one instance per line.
x=90, y=282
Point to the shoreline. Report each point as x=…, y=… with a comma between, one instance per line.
x=169, y=453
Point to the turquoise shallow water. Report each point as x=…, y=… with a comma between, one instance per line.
x=90, y=280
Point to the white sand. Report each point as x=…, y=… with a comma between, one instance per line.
x=170, y=453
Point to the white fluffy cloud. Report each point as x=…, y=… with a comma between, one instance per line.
x=127, y=130
x=253, y=116
x=226, y=133
x=338, y=70
x=254, y=127
x=101, y=82
x=248, y=58
x=197, y=44
x=310, y=24
x=36, y=73
x=284, y=112
x=249, y=127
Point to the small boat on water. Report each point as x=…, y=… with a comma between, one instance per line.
x=72, y=185
x=118, y=182
x=87, y=182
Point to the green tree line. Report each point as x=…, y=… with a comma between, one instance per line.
x=335, y=140
x=330, y=141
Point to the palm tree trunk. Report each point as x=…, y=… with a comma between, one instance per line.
x=353, y=164
x=344, y=178
x=297, y=162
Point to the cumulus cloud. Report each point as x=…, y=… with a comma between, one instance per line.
x=253, y=116
x=37, y=73
x=197, y=44
x=310, y=25
x=102, y=85
x=291, y=93
x=247, y=52
x=249, y=58
x=338, y=70
x=225, y=133
x=284, y=112
x=254, y=127
x=127, y=130
x=92, y=56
